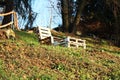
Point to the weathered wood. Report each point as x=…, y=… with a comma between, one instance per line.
x=2, y=26
x=15, y=21
x=82, y=43
x=7, y=24
x=45, y=33
x=74, y=42
x=5, y=14
x=45, y=36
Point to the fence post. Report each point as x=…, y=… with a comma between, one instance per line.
x=15, y=20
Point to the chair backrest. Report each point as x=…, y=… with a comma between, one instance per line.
x=44, y=32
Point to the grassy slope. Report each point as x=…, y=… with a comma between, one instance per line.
x=25, y=59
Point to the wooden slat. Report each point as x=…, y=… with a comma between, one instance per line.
x=82, y=43
x=5, y=14
x=6, y=24
x=45, y=33
x=74, y=42
x=15, y=20
x=43, y=28
x=42, y=33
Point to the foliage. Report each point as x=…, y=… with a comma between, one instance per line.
x=24, y=9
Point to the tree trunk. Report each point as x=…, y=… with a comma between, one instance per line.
x=116, y=16
x=117, y=22
x=77, y=18
x=71, y=8
x=64, y=5
x=8, y=8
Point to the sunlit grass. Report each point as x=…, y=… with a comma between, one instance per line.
x=28, y=38
x=24, y=61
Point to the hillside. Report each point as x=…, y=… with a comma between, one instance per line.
x=26, y=59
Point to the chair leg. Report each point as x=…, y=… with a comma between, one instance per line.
x=52, y=39
x=84, y=46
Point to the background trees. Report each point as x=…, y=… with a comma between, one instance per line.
x=99, y=17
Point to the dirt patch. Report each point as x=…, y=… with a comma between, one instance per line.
x=2, y=34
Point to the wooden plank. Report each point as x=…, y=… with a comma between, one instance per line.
x=15, y=19
x=5, y=25
x=70, y=45
x=74, y=42
x=44, y=29
x=45, y=36
x=5, y=14
x=82, y=43
x=45, y=33
x=70, y=42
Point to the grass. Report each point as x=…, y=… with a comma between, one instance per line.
x=26, y=59
x=28, y=38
